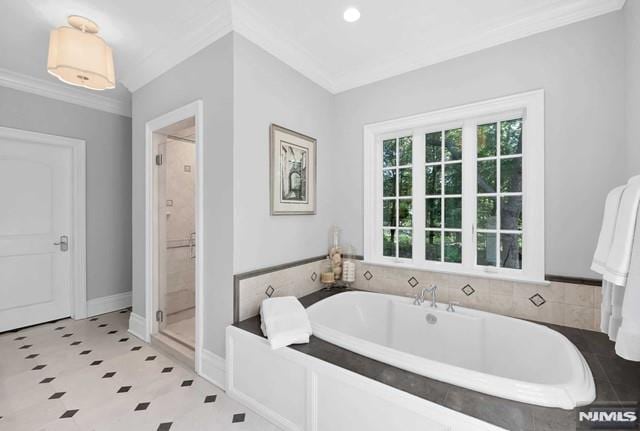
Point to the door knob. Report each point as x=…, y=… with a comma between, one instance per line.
x=63, y=243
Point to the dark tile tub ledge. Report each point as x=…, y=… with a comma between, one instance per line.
x=617, y=380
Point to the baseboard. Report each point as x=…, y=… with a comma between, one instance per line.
x=138, y=326
x=213, y=368
x=107, y=304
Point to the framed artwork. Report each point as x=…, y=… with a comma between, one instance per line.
x=293, y=172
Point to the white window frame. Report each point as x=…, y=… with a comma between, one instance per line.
x=529, y=106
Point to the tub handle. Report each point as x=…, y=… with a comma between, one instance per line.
x=451, y=304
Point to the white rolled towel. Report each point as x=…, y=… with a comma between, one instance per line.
x=606, y=231
x=284, y=321
x=617, y=266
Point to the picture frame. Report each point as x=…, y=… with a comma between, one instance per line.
x=293, y=172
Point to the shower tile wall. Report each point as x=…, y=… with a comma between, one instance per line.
x=180, y=226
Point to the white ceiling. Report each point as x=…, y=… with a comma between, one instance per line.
x=392, y=37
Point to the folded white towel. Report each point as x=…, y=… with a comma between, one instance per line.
x=628, y=337
x=606, y=231
x=617, y=267
x=284, y=321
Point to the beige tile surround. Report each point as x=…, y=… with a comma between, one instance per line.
x=575, y=305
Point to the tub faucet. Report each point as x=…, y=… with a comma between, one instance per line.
x=420, y=297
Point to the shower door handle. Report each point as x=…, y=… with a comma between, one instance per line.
x=63, y=243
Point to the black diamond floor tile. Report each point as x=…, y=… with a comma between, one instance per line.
x=210, y=398
x=122, y=340
x=238, y=417
x=165, y=426
x=31, y=356
x=39, y=367
x=47, y=380
x=150, y=358
x=187, y=383
x=26, y=346
x=102, y=325
x=67, y=335
x=142, y=406
x=69, y=414
x=56, y=395
x=59, y=328
x=111, y=332
x=124, y=389
x=109, y=375
x=75, y=343
x=94, y=363
x=85, y=352
x=167, y=369
x=135, y=348
x=93, y=319
x=19, y=338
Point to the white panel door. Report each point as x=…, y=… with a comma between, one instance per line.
x=35, y=212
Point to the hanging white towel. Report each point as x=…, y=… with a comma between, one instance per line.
x=606, y=231
x=628, y=336
x=284, y=321
x=617, y=267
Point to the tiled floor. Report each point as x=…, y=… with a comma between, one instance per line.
x=92, y=375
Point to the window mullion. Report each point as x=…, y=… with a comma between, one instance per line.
x=419, y=193
x=498, y=189
x=469, y=144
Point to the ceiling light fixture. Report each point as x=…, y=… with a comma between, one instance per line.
x=351, y=15
x=78, y=56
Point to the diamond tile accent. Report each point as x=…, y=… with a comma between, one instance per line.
x=142, y=406
x=111, y=332
x=368, y=275
x=238, y=417
x=47, y=380
x=210, y=398
x=26, y=346
x=187, y=383
x=412, y=282
x=269, y=291
x=136, y=348
x=67, y=335
x=68, y=414
x=94, y=363
x=75, y=343
x=537, y=300
x=468, y=290
x=31, y=356
x=57, y=395
x=39, y=367
x=109, y=375
x=124, y=311
x=59, y=328
x=19, y=338
x=122, y=340
x=124, y=389
x=314, y=276
x=150, y=358
x=167, y=369
x=165, y=426
x=93, y=319
x=102, y=325
x=85, y=352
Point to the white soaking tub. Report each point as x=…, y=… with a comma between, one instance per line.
x=497, y=355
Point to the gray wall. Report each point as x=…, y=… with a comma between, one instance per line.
x=580, y=67
x=208, y=75
x=268, y=91
x=632, y=18
x=108, y=146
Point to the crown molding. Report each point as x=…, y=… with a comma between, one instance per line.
x=211, y=24
x=527, y=24
x=224, y=16
x=65, y=93
x=256, y=29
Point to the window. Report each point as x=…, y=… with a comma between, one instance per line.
x=459, y=190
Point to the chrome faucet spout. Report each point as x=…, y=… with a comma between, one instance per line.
x=420, y=297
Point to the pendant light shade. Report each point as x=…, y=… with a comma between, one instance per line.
x=78, y=56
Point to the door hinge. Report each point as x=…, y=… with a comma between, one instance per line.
x=159, y=159
x=159, y=316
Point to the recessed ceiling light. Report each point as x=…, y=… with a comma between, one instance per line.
x=351, y=15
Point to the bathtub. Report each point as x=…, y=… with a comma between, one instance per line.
x=497, y=355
